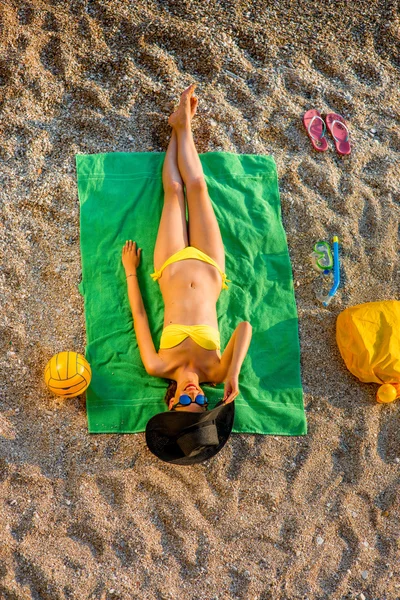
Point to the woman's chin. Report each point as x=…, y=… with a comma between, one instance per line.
x=191, y=408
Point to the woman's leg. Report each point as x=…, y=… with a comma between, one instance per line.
x=204, y=231
x=172, y=231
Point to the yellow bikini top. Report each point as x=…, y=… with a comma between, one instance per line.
x=204, y=335
x=190, y=252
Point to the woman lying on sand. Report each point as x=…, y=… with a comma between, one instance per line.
x=189, y=264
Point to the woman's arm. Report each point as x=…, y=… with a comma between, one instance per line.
x=233, y=358
x=151, y=361
x=235, y=352
x=153, y=364
x=242, y=343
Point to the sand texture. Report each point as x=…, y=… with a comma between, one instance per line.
x=97, y=516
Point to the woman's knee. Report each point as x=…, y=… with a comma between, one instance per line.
x=173, y=187
x=196, y=184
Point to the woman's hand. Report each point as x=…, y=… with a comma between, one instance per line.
x=131, y=257
x=231, y=389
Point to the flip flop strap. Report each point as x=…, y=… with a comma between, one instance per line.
x=343, y=125
x=309, y=128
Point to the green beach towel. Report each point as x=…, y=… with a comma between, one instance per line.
x=121, y=197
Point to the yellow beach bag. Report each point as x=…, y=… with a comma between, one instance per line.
x=368, y=337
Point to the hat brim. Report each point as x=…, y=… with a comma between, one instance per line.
x=162, y=431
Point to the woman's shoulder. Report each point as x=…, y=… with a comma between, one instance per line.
x=216, y=373
x=165, y=368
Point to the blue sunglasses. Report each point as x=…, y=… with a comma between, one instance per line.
x=185, y=400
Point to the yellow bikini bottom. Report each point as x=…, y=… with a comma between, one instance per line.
x=204, y=335
x=190, y=252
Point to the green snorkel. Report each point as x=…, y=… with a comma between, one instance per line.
x=324, y=263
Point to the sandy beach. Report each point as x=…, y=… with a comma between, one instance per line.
x=98, y=517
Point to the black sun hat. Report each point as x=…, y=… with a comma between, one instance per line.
x=187, y=438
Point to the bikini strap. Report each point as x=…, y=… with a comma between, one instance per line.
x=156, y=275
x=224, y=280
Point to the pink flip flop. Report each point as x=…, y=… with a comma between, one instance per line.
x=338, y=130
x=315, y=127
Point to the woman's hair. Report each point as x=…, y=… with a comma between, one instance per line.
x=171, y=390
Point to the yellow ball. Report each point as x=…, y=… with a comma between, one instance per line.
x=386, y=393
x=67, y=374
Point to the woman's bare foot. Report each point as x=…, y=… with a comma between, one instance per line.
x=194, y=102
x=186, y=110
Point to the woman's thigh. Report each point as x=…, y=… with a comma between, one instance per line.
x=172, y=231
x=204, y=232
